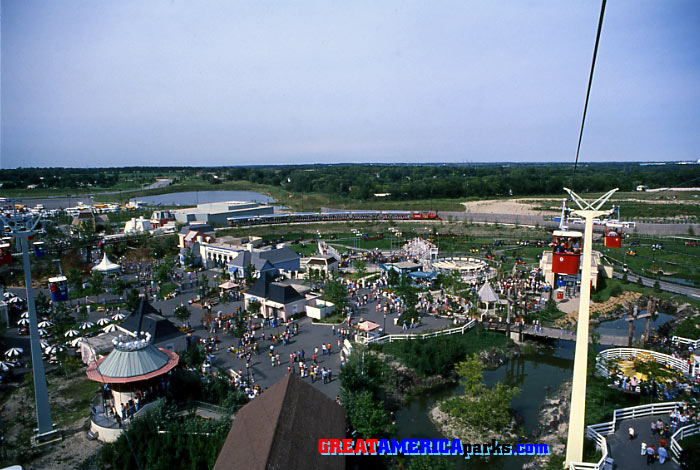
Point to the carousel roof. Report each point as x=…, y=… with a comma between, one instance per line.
x=132, y=360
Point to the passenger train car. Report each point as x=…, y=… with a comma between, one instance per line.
x=284, y=218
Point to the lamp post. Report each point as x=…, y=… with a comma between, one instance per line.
x=384, y=329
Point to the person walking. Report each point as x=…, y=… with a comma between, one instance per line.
x=651, y=454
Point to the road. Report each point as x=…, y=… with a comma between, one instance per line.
x=519, y=219
x=691, y=292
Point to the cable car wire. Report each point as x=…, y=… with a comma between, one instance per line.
x=590, y=82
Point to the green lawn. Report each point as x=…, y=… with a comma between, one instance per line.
x=305, y=249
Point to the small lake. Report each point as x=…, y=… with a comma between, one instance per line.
x=620, y=327
x=192, y=198
x=536, y=376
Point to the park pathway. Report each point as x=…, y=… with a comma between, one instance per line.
x=627, y=454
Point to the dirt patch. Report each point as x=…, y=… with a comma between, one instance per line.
x=507, y=206
x=18, y=418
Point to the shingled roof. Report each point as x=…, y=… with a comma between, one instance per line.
x=281, y=428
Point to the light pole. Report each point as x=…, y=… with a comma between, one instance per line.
x=574, y=445
x=384, y=330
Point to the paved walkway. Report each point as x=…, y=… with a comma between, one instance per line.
x=310, y=336
x=627, y=454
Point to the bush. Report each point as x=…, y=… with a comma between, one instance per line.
x=615, y=290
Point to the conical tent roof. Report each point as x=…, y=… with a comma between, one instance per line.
x=486, y=293
x=106, y=266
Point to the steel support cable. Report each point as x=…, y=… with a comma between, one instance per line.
x=590, y=83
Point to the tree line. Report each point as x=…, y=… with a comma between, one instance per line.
x=395, y=182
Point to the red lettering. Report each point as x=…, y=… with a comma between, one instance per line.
x=347, y=446
x=372, y=445
x=322, y=446
x=360, y=447
x=329, y=446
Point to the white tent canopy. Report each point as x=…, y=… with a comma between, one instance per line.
x=486, y=293
x=106, y=266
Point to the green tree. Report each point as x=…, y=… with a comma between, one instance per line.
x=96, y=282
x=133, y=298
x=188, y=258
x=204, y=288
x=164, y=272
x=360, y=267
x=392, y=277
x=480, y=407
x=249, y=274
x=367, y=415
x=182, y=313
x=334, y=291
x=75, y=279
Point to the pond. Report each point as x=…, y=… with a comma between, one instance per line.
x=536, y=376
x=192, y=198
x=620, y=327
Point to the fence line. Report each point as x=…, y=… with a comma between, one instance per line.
x=434, y=334
x=624, y=353
x=695, y=343
x=682, y=433
x=598, y=432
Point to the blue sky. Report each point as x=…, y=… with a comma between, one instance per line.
x=116, y=83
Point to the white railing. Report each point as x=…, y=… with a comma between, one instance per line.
x=695, y=343
x=628, y=353
x=597, y=432
x=432, y=334
x=682, y=433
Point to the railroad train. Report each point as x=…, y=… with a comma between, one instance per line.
x=283, y=218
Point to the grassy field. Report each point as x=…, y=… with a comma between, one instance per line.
x=674, y=260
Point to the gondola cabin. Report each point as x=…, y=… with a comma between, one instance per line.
x=39, y=249
x=5, y=253
x=59, y=288
x=613, y=235
x=566, y=252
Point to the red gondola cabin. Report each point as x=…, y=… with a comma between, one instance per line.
x=5, y=253
x=613, y=236
x=566, y=252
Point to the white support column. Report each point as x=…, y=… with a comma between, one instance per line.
x=574, y=444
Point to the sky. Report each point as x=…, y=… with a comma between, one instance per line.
x=210, y=83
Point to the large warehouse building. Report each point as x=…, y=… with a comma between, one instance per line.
x=218, y=212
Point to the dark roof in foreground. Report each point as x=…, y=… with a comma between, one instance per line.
x=280, y=430
x=147, y=319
